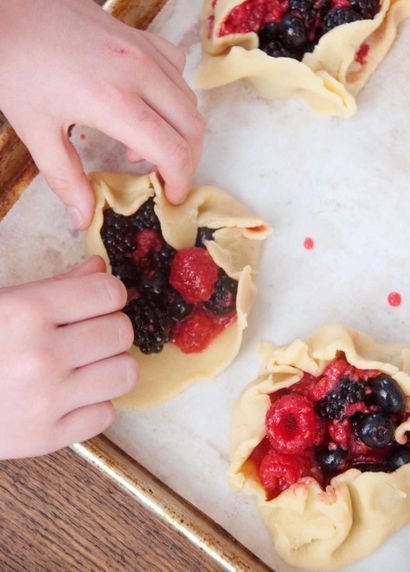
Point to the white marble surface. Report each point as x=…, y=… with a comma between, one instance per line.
x=345, y=183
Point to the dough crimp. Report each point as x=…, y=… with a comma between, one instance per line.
x=328, y=79
x=235, y=248
x=310, y=527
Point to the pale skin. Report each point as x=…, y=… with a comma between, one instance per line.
x=64, y=341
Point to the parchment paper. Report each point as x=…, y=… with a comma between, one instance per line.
x=345, y=183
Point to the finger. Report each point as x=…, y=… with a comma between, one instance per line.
x=90, y=266
x=174, y=55
x=132, y=156
x=94, y=340
x=100, y=381
x=79, y=298
x=83, y=423
x=146, y=133
x=60, y=164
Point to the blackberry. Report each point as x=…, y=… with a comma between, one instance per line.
x=339, y=16
x=398, y=457
x=152, y=326
x=347, y=392
x=304, y=9
x=117, y=236
x=371, y=467
x=145, y=217
x=331, y=460
x=161, y=260
x=127, y=272
x=387, y=393
x=223, y=299
x=293, y=32
x=375, y=430
x=204, y=233
x=366, y=8
x=152, y=282
x=177, y=307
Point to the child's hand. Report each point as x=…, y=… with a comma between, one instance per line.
x=69, y=62
x=62, y=358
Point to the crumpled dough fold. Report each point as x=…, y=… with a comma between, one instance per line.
x=310, y=527
x=235, y=248
x=328, y=79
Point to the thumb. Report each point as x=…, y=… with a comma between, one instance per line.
x=58, y=161
x=89, y=266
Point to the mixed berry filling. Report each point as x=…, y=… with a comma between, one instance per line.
x=322, y=426
x=290, y=28
x=181, y=296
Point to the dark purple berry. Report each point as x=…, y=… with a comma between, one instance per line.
x=117, y=236
x=398, y=457
x=152, y=326
x=375, y=430
x=276, y=49
x=127, y=272
x=371, y=467
x=204, y=233
x=177, y=307
x=270, y=32
x=339, y=16
x=145, y=217
x=223, y=299
x=293, y=32
x=305, y=10
x=387, y=394
x=331, y=460
x=366, y=8
x=347, y=392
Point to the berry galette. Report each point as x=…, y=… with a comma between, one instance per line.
x=321, y=51
x=321, y=438
x=188, y=271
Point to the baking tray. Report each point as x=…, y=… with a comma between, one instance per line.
x=17, y=170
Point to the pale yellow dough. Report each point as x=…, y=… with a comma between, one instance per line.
x=328, y=79
x=235, y=248
x=312, y=528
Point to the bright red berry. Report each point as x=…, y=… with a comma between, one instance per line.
x=329, y=379
x=147, y=241
x=340, y=432
x=278, y=471
x=292, y=424
x=260, y=451
x=193, y=274
x=196, y=332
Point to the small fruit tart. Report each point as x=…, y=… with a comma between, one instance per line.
x=321, y=51
x=188, y=270
x=322, y=439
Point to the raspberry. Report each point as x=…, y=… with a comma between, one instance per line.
x=260, y=451
x=278, y=471
x=147, y=241
x=306, y=385
x=196, y=332
x=329, y=379
x=251, y=15
x=193, y=274
x=340, y=432
x=292, y=424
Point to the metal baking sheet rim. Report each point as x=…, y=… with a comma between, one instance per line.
x=17, y=170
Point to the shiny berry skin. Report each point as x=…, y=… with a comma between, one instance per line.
x=204, y=233
x=339, y=16
x=331, y=460
x=278, y=471
x=293, y=32
x=177, y=307
x=398, y=457
x=387, y=393
x=375, y=430
x=193, y=274
x=367, y=8
x=371, y=467
x=223, y=299
x=292, y=424
x=196, y=332
x=269, y=33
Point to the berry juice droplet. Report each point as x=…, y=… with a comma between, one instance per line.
x=82, y=137
x=394, y=299
x=308, y=243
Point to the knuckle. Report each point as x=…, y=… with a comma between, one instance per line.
x=142, y=59
x=43, y=362
x=30, y=310
x=106, y=416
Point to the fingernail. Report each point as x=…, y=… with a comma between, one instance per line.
x=75, y=216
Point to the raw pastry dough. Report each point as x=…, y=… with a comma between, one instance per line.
x=312, y=528
x=328, y=79
x=235, y=248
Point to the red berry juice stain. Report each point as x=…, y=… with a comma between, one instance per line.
x=82, y=137
x=362, y=54
x=116, y=49
x=394, y=299
x=308, y=243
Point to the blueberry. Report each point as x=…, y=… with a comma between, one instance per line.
x=331, y=460
x=387, y=393
x=269, y=33
x=375, y=430
x=177, y=307
x=293, y=32
x=398, y=457
x=367, y=8
x=204, y=233
x=339, y=16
